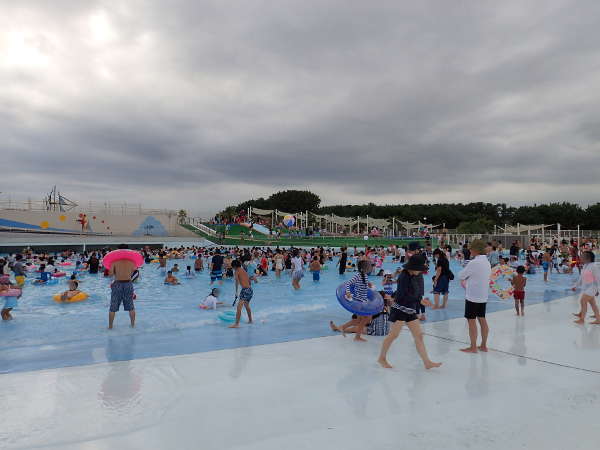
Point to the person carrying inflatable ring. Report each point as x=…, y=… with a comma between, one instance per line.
x=361, y=285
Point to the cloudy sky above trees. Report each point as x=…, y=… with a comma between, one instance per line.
x=198, y=104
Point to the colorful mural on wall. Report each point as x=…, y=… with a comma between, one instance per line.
x=87, y=223
x=43, y=225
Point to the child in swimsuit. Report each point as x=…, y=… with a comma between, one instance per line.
x=519, y=282
x=388, y=283
x=212, y=300
x=44, y=275
x=315, y=268
x=360, y=283
x=589, y=283
x=188, y=272
x=10, y=302
x=171, y=279
x=72, y=292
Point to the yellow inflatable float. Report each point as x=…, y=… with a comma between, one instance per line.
x=76, y=298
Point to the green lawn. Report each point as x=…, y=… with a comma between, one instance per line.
x=325, y=241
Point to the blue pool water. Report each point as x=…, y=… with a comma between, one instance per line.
x=45, y=334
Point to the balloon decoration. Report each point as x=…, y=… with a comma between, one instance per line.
x=289, y=221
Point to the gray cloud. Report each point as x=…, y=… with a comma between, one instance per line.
x=201, y=104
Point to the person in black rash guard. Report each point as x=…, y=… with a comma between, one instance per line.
x=343, y=261
x=466, y=252
x=408, y=296
x=93, y=263
x=514, y=249
x=288, y=262
x=441, y=279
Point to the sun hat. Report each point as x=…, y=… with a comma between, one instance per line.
x=387, y=272
x=416, y=262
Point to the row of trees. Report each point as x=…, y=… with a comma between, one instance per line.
x=466, y=217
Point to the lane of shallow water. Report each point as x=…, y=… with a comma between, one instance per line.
x=45, y=334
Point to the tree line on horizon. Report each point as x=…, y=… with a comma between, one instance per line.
x=477, y=217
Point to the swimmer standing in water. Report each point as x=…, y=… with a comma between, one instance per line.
x=589, y=283
x=122, y=289
x=298, y=271
x=279, y=263
x=242, y=279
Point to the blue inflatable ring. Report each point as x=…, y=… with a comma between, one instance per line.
x=227, y=316
x=373, y=305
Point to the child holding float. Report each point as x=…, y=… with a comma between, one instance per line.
x=409, y=295
x=361, y=285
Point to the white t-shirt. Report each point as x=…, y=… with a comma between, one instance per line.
x=297, y=263
x=477, y=275
x=210, y=302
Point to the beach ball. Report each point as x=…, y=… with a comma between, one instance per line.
x=289, y=221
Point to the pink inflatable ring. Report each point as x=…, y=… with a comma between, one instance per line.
x=118, y=255
x=11, y=293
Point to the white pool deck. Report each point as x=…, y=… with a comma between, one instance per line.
x=541, y=390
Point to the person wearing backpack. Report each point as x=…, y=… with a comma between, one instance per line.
x=441, y=279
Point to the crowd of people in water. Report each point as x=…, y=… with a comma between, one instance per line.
x=402, y=290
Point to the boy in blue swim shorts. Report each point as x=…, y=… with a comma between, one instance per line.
x=546, y=263
x=216, y=268
x=315, y=268
x=242, y=279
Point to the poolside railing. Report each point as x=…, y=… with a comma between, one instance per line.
x=104, y=208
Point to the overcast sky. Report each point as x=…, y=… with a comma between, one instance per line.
x=199, y=104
